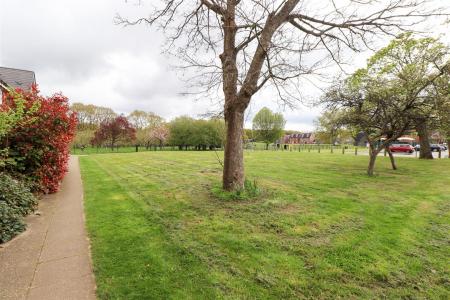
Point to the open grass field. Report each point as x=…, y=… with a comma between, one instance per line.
x=249, y=146
x=121, y=149
x=320, y=229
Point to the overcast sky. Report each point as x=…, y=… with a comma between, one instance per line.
x=74, y=47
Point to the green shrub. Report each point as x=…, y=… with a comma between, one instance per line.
x=16, y=201
x=11, y=223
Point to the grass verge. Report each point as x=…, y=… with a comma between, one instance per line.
x=320, y=229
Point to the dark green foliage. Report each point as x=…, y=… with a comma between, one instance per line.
x=16, y=201
x=202, y=134
x=11, y=223
x=268, y=125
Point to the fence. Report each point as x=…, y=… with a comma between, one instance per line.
x=128, y=148
x=250, y=146
x=309, y=148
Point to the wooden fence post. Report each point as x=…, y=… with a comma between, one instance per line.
x=343, y=150
x=356, y=150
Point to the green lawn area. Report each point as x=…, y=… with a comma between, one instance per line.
x=121, y=149
x=320, y=229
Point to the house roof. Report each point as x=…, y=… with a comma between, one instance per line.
x=305, y=135
x=16, y=78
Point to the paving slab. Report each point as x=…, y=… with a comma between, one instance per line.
x=51, y=259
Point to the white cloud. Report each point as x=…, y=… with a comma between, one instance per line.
x=74, y=47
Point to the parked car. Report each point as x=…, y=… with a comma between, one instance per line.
x=436, y=147
x=433, y=147
x=406, y=148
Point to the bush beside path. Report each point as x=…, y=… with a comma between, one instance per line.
x=51, y=259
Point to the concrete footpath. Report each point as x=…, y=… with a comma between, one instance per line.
x=51, y=259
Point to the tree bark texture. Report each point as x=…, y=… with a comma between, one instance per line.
x=392, y=159
x=373, y=153
x=233, y=170
x=448, y=147
x=422, y=130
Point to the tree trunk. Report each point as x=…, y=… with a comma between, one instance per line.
x=236, y=102
x=422, y=130
x=233, y=170
x=373, y=153
x=391, y=157
x=448, y=147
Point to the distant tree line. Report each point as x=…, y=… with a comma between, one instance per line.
x=102, y=127
x=187, y=132
x=91, y=116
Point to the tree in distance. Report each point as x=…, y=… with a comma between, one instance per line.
x=114, y=131
x=268, y=126
x=159, y=134
x=202, y=134
x=329, y=128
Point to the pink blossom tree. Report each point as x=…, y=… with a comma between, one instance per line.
x=159, y=134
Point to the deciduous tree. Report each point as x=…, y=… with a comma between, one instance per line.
x=443, y=110
x=268, y=126
x=160, y=134
x=243, y=46
x=182, y=131
x=113, y=131
x=91, y=116
x=415, y=64
x=141, y=119
x=329, y=127
x=370, y=107
x=384, y=100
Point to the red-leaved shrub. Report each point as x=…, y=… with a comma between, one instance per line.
x=41, y=147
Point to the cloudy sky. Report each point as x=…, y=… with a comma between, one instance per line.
x=74, y=47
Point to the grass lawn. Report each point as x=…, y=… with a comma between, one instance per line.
x=121, y=149
x=320, y=229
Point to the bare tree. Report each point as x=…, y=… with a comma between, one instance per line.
x=142, y=119
x=242, y=46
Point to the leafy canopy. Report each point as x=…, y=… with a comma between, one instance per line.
x=268, y=125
